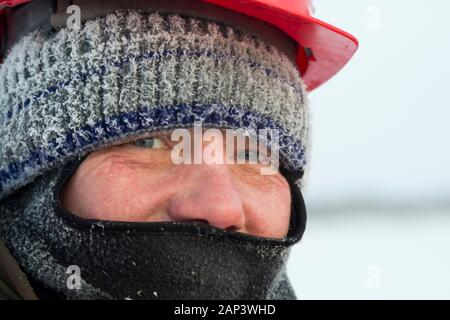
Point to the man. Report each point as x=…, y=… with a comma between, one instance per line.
x=103, y=197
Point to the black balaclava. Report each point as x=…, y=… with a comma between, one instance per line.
x=121, y=260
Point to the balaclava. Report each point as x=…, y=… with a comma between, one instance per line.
x=66, y=94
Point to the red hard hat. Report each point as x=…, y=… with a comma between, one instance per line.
x=323, y=49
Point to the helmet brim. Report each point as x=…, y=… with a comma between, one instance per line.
x=323, y=49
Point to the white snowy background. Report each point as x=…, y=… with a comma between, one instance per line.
x=379, y=188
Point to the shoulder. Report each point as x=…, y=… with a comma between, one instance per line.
x=14, y=284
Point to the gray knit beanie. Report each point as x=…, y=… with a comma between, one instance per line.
x=66, y=94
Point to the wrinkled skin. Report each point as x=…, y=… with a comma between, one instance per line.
x=137, y=181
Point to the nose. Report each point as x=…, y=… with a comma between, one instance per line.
x=209, y=195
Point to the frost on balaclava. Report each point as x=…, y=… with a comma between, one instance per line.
x=65, y=95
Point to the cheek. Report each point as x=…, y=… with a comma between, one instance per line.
x=113, y=190
x=268, y=210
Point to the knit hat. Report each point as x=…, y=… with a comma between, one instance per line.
x=66, y=94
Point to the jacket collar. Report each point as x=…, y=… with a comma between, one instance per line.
x=14, y=283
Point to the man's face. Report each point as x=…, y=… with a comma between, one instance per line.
x=139, y=182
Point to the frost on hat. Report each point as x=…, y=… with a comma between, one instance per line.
x=67, y=94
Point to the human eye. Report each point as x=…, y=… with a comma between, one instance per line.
x=248, y=155
x=150, y=143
